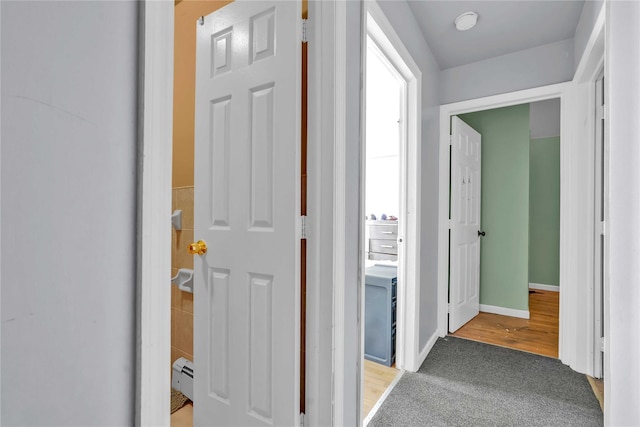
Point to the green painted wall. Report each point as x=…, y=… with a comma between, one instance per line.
x=504, y=259
x=544, y=211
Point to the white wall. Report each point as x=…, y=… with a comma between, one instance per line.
x=69, y=72
x=526, y=69
x=622, y=79
x=353, y=240
x=588, y=18
x=405, y=25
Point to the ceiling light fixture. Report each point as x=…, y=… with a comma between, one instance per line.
x=466, y=21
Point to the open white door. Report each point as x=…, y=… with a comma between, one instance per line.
x=247, y=203
x=464, y=247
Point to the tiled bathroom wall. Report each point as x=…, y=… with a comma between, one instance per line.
x=182, y=302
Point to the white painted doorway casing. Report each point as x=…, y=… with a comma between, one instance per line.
x=601, y=201
x=247, y=202
x=464, y=250
x=382, y=34
x=590, y=67
x=155, y=123
x=576, y=217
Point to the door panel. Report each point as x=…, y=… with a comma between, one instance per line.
x=465, y=224
x=247, y=201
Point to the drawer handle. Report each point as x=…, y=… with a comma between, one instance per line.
x=387, y=232
x=386, y=246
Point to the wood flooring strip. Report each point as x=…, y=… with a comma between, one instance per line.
x=538, y=335
x=598, y=389
x=377, y=378
x=183, y=417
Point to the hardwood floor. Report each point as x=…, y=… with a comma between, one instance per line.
x=538, y=335
x=377, y=378
x=183, y=417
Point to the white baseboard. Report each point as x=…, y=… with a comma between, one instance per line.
x=544, y=287
x=427, y=348
x=380, y=401
x=523, y=314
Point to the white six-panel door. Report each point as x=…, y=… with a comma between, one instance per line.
x=464, y=298
x=247, y=199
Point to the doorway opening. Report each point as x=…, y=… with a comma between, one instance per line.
x=182, y=205
x=505, y=226
x=385, y=92
x=390, y=212
x=576, y=210
x=243, y=168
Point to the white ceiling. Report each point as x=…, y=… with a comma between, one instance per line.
x=503, y=27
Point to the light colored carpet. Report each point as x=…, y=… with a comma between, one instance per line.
x=466, y=383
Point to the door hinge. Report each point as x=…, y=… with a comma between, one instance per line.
x=304, y=31
x=303, y=227
x=601, y=112
x=450, y=224
x=301, y=419
x=451, y=140
x=602, y=344
x=603, y=228
x=449, y=308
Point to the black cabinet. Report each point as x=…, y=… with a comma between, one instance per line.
x=380, y=314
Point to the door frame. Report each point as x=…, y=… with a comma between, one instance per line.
x=155, y=146
x=560, y=91
x=576, y=251
x=589, y=69
x=601, y=197
x=378, y=27
x=567, y=285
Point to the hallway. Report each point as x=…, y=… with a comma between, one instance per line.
x=538, y=335
x=468, y=383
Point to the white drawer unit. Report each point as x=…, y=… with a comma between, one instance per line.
x=382, y=240
x=383, y=246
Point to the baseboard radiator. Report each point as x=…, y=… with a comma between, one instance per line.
x=182, y=377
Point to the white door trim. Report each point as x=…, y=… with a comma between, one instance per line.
x=324, y=66
x=600, y=222
x=576, y=342
x=592, y=60
x=154, y=232
x=589, y=68
x=570, y=309
x=342, y=375
x=382, y=32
